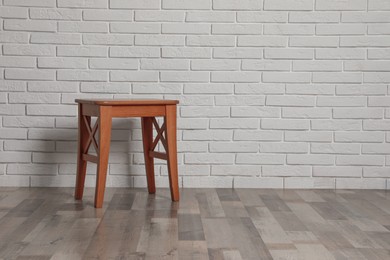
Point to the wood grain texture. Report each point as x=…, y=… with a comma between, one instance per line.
x=46, y=223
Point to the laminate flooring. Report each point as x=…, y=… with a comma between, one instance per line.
x=47, y=223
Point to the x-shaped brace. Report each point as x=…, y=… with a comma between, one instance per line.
x=91, y=138
x=160, y=136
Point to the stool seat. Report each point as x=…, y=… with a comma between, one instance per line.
x=105, y=110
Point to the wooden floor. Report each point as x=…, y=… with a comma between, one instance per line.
x=46, y=223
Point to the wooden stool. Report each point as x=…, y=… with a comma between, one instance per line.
x=105, y=110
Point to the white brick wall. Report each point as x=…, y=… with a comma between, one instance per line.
x=273, y=93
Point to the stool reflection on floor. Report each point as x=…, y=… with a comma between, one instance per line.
x=105, y=110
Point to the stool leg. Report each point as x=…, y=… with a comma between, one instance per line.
x=81, y=164
x=105, y=122
x=170, y=122
x=147, y=138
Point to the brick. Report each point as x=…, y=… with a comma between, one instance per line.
x=377, y=77
x=364, y=41
x=336, y=125
x=210, y=40
x=378, y=54
x=372, y=125
x=354, y=113
x=29, y=74
x=290, y=77
x=185, y=28
x=15, y=181
x=160, y=88
x=82, y=75
x=28, y=121
x=340, y=54
x=262, y=41
x=27, y=3
x=341, y=29
x=337, y=77
x=34, y=98
x=257, y=135
x=229, y=147
x=277, y=100
x=304, y=5
x=12, y=110
x=35, y=26
x=107, y=15
x=234, y=5
x=378, y=5
x=309, y=183
x=250, y=170
x=283, y=148
x=335, y=148
x=133, y=28
x=341, y=101
x=53, y=110
x=357, y=90
x=378, y=29
x=365, y=17
x=186, y=4
x=184, y=52
x=236, y=29
x=108, y=39
x=29, y=50
x=288, y=54
x=337, y=171
x=28, y=145
x=258, y=183
x=314, y=17
x=13, y=133
x=286, y=171
x=82, y=51
x=146, y=76
x=317, y=65
x=215, y=64
x=359, y=137
x=314, y=41
x=159, y=40
x=32, y=169
x=367, y=65
x=113, y=64
x=305, y=136
x=238, y=53
x=83, y=27
x=240, y=100
x=57, y=86
x=266, y=65
x=292, y=112
x=375, y=148
x=53, y=134
x=204, y=111
x=194, y=100
x=346, y=5
x=83, y=4
x=207, y=182
x=311, y=89
x=14, y=12
x=159, y=16
x=55, y=14
x=239, y=123
x=235, y=76
x=378, y=101
x=285, y=124
x=15, y=157
x=216, y=88
x=136, y=4
x=14, y=37
x=62, y=63
x=184, y=76
x=289, y=29
x=261, y=17
x=220, y=158
x=262, y=112
x=376, y=172
x=17, y=62
x=134, y=52
x=360, y=160
x=272, y=159
x=210, y=16
x=310, y=159
x=253, y=89
x=58, y=38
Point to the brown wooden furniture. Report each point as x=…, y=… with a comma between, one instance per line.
x=105, y=110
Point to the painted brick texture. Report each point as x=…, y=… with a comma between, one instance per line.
x=273, y=94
